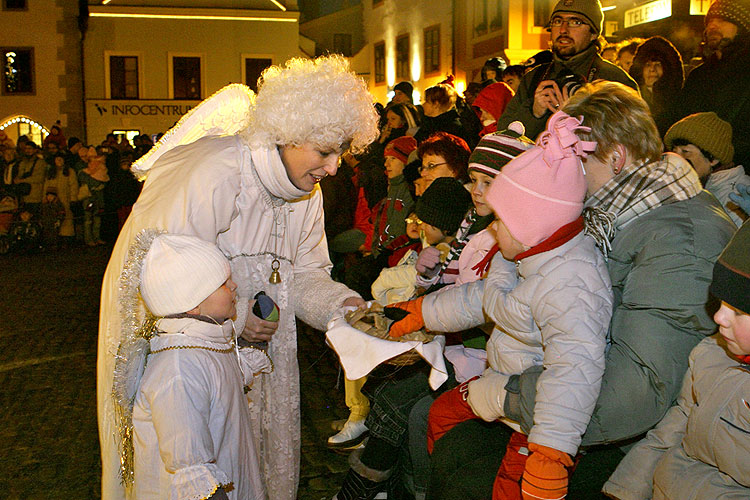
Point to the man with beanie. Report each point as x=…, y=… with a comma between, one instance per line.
x=550, y=299
x=575, y=27
x=701, y=447
x=705, y=141
x=185, y=428
x=722, y=83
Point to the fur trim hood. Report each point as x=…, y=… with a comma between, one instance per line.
x=660, y=49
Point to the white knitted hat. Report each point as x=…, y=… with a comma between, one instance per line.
x=179, y=272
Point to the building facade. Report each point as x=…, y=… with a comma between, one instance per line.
x=146, y=66
x=40, y=43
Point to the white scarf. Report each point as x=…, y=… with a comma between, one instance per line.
x=272, y=174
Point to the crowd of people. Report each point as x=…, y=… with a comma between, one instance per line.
x=64, y=193
x=566, y=230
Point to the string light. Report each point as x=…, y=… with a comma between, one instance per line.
x=23, y=119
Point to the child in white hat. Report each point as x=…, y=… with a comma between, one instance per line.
x=180, y=377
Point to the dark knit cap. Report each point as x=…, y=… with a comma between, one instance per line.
x=735, y=11
x=405, y=87
x=731, y=282
x=591, y=10
x=444, y=204
x=495, y=150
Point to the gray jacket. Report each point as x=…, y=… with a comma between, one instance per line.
x=701, y=448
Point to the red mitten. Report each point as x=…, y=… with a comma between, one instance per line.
x=545, y=475
x=507, y=484
x=407, y=317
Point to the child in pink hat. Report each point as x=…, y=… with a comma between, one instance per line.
x=551, y=301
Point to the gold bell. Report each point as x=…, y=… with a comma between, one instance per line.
x=275, y=275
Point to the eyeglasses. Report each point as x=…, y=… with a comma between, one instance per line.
x=430, y=166
x=413, y=220
x=572, y=22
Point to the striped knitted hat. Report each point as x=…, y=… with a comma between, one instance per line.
x=401, y=147
x=735, y=11
x=706, y=131
x=731, y=281
x=495, y=150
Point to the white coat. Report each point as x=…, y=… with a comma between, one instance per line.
x=191, y=424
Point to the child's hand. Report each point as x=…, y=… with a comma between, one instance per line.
x=256, y=329
x=409, y=322
x=545, y=475
x=742, y=197
x=428, y=262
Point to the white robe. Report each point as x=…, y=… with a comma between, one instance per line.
x=191, y=424
x=218, y=189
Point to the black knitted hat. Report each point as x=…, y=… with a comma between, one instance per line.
x=731, y=282
x=444, y=204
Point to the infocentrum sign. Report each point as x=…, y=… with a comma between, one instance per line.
x=144, y=115
x=652, y=11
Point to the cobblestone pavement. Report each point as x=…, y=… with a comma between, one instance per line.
x=49, y=447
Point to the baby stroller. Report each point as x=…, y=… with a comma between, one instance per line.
x=18, y=230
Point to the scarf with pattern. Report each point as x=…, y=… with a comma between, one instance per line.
x=636, y=190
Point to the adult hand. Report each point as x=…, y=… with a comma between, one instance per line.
x=547, y=97
x=742, y=197
x=406, y=323
x=354, y=302
x=545, y=475
x=256, y=329
x=428, y=262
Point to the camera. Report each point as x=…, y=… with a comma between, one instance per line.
x=571, y=81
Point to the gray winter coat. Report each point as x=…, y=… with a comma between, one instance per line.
x=701, y=448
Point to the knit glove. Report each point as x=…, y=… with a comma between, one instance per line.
x=487, y=395
x=406, y=316
x=741, y=197
x=428, y=262
x=545, y=475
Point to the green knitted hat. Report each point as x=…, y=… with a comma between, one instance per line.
x=591, y=10
x=731, y=282
x=706, y=131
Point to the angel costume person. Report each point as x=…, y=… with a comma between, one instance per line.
x=241, y=171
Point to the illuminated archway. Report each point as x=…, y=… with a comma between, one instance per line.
x=18, y=125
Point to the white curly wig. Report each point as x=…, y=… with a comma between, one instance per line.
x=319, y=102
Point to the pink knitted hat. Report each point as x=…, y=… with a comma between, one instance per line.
x=543, y=188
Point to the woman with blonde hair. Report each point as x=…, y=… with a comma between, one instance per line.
x=440, y=113
x=242, y=171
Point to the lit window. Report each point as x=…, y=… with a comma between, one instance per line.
x=123, y=77
x=380, y=62
x=342, y=44
x=253, y=69
x=186, y=77
x=403, y=71
x=18, y=70
x=432, y=49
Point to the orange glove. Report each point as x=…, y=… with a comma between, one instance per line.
x=545, y=475
x=406, y=316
